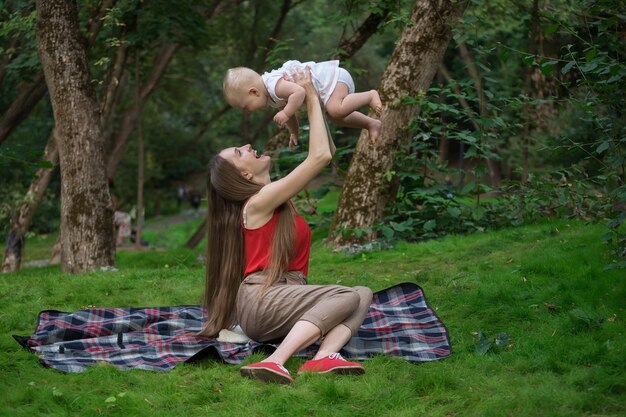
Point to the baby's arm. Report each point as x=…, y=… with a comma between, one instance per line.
x=294, y=94
x=294, y=128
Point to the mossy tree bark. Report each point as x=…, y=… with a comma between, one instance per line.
x=411, y=69
x=86, y=209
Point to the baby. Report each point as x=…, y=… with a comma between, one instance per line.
x=245, y=89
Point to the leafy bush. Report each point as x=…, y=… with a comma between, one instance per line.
x=579, y=156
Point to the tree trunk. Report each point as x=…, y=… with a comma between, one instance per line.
x=97, y=20
x=410, y=71
x=472, y=70
x=444, y=145
x=539, y=117
x=285, y=8
x=533, y=48
x=140, y=169
x=444, y=72
x=86, y=209
x=20, y=222
x=22, y=219
x=114, y=77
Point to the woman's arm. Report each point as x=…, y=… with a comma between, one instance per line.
x=262, y=205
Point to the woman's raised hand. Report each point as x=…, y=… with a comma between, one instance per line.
x=300, y=77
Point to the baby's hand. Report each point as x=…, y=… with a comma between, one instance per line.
x=281, y=118
x=293, y=141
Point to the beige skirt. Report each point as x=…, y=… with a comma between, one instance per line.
x=271, y=316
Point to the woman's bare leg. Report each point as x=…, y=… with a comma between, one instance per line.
x=334, y=341
x=302, y=334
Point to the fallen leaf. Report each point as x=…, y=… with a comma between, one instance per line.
x=484, y=345
x=502, y=339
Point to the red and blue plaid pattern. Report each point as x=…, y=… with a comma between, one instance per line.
x=399, y=323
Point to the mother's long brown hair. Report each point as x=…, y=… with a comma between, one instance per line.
x=228, y=190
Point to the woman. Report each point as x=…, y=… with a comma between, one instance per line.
x=256, y=234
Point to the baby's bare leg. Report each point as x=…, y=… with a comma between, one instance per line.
x=341, y=103
x=359, y=121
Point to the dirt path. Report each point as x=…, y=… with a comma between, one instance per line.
x=165, y=222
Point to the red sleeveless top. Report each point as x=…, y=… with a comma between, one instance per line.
x=258, y=244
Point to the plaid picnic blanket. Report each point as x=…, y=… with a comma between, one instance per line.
x=399, y=323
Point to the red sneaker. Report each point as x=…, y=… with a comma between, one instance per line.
x=332, y=363
x=267, y=372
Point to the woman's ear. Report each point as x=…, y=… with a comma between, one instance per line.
x=247, y=175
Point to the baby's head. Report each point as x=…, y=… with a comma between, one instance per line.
x=244, y=89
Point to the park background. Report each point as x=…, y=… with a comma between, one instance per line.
x=497, y=185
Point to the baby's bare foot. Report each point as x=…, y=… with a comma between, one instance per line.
x=375, y=103
x=374, y=130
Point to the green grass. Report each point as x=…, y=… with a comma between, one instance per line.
x=566, y=361
x=38, y=247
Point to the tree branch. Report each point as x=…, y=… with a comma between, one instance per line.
x=349, y=46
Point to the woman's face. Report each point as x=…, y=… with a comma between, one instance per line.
x=248, y=161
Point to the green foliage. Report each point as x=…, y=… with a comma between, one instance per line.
x=17, y=22
x=596, y=74
x=428, y=204
x=576, y=158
